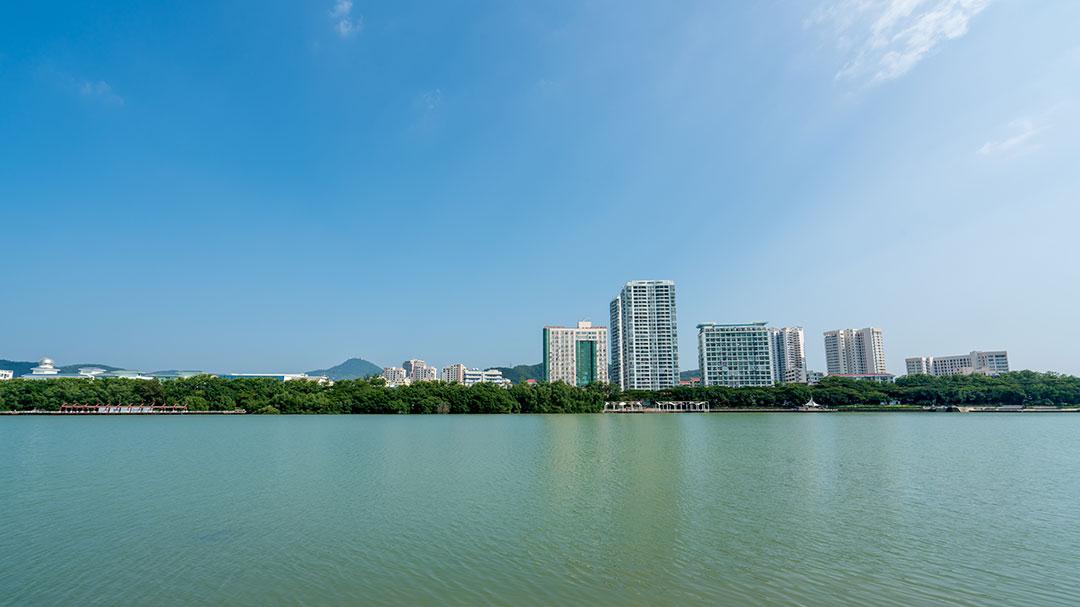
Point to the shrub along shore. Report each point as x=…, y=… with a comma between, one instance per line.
x=261, y=395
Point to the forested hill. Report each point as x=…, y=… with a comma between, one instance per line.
x=22, y=367
x=520, y=373
x=354, y=368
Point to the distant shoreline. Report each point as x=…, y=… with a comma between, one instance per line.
x=867, y=409
x=264, y=395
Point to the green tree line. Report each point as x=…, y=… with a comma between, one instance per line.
x=264, y=395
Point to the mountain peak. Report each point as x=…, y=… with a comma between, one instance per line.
x=353, y=368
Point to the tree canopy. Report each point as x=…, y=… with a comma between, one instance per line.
x=265, y=395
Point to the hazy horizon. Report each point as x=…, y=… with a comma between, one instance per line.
x=278, y=187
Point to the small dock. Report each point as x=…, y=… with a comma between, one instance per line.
x=670, y=406
x=100, y=409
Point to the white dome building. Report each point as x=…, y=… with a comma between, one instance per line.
x=45, y=367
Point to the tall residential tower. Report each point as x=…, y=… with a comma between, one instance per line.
x=855, y=352
x=644, y=336
x=788, y=355
x=576, y=355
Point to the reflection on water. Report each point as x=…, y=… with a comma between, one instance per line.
x=771, y=509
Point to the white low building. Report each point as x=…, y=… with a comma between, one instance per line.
x=46, y=369
x=983, y=363
x=5, y=374
x=320, y=379
x=490, y=376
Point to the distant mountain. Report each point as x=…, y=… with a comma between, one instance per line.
x=521, y=373
x=354, y=368
x=75, y=368
x=689, y=374
x=22, y=367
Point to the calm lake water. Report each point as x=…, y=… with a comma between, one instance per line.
x=728, y=509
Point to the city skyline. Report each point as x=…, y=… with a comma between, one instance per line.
x=785, y=352
x=179, y=191
x=848, y=352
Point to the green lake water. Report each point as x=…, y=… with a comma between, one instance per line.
x=714, y=509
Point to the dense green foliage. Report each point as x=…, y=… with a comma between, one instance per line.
x=520, y=373
x=1018, y=388
x=263, y=395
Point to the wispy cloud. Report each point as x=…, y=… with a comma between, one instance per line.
x=885, y=39
x=431, y=100
x=1020, y=138
x=345, y=24
x=427, y=111
x=100, y=91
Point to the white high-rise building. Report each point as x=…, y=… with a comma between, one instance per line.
x=985, y=363
x=454, y=374
x=576, y=355
x=736, y=356
x=395, y=376
x=788, y=354
x=855, y=352
x=644, y=336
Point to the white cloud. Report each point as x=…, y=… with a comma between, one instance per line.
x=885, y=39
x=99, y=90
x=1022, y=131
x=345, y=24
x=342, y=8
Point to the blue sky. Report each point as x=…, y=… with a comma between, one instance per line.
x=240, y=186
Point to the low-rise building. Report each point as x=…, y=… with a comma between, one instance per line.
x=395, y=376
x=46, y=369
x=983, y=363
x=321, y=379
x=878, y=377
x=118, y=373
x=5, y=374
x=171, y=375
x=813, y=377
x=490, y=376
